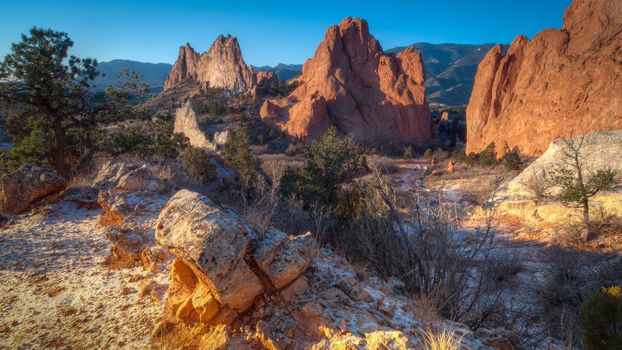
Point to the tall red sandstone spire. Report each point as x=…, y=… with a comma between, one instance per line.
x=350, y=83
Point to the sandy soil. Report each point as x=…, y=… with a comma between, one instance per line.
x=56, y=292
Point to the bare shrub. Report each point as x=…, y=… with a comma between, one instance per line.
x=419, y=242
x=538, y=184
x=569, y=277
x=383, y=164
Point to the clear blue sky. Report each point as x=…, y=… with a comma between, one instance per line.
x=269, y=31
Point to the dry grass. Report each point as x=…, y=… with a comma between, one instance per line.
x=80, y=181
x=444, y=340
x=385, y=164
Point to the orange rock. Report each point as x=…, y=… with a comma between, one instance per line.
x=352, y=84
x=563, y=81
x=222, y=66
x=451, y=166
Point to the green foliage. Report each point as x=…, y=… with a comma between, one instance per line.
x=49, y=112
x=512, y=160
x=601, y=320
x=408, y=153
x=148, y=138
x=198, y=164
x=578, y=190
x=238, y=155
x=487, y=157
x=428, y=154
x=329, y=162
x=31, y=149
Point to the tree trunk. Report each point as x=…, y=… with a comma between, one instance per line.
x=586, y=218
x=58, y=158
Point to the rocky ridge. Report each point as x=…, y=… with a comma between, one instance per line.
x=222, y=66
x=350, y=83
x=562, y=82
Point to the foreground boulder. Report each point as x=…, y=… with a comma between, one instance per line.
x=234, y=288
x=27, y=185
x=563, y=81
x=130, y=196
x=350, y=83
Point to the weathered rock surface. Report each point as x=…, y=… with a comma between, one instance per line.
x=222, y=66
x=186, y=123
x=130, y=196
x=561, y=82
x=231, y=287
x=519, y=204
x=27, y=185
x=352, y=84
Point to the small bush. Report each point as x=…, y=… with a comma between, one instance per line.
x=444, y=340
x=238, y=155
x=428, y=154
x=601, y=319
x=512, y=160
x=198, y=164
x=408, y=153
x=538, y=183
x=488, y=157
x=383, y=164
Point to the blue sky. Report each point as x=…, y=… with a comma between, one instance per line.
x=269, y=31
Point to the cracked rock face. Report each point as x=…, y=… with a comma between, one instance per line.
x=27, y=185
x=561, y=82
x=350, y=83
x=222, y=66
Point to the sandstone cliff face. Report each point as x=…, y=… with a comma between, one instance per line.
x=222, y=66
x=563, y=81
x=352, y=84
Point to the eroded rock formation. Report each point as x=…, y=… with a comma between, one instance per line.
x=222, y=66
x=561, y=82
x=186, y=123
x=27, y=185
x=232, y=287
x=352, y=84
x=130, y=196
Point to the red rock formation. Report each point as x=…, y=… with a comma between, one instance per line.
x=352, y=84
x=222, y=66
x=563, y=81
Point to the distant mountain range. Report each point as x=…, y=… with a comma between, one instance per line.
x=450, y=71
x=153, y=74
x=283, y=71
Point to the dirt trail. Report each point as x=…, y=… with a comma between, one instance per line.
x=56, y=293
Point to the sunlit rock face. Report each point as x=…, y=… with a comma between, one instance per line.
x=350, y=83
x=222, y=66
x=561, y=82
